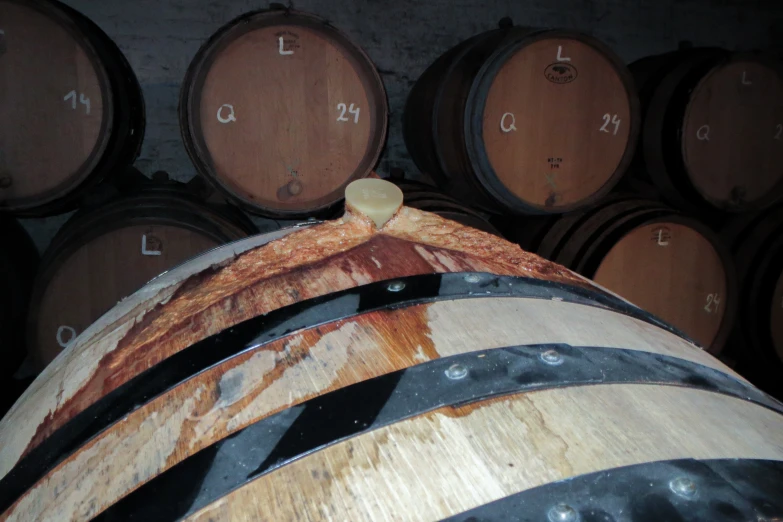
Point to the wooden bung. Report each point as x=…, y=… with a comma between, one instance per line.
x=281, y=111
x=70, y=106
x=525, y=121
x=713, y=128
x=386, y=365
x=104, y=255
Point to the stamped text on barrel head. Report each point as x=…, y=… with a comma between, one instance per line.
x=560, y=72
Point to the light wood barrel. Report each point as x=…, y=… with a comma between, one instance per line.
x=71, y=107
x=670, y=265
x=523, y=121
x=280, y=111
x=713, y=128
x=413, y=369
x=105, y=254
x=756, y=344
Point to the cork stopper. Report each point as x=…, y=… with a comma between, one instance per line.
x=376, y=198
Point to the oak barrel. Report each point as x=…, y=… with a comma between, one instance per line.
x=71, y=107
x=18, y=263
x=104, y=254
x=756, y=343
x=524, y=121
x=386, y=365
x=280, y=111
x=665, y=262
x=713, y=126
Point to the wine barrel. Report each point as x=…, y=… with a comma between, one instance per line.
x=18, y=262
x=668, y=264
x=522, y=121
x=756, y=242
x=71, y=107
x=375, y=368
x=280, y=111
x=712, y=128
x=428, y=198
x=104, y=254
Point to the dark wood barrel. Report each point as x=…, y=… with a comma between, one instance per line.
x=18, y=263
x=104, y=254
x=523, y=121
x=71, y=107
x=429, y=198
x=399, y=366
x=280, y=111
x=665, y=262
x=713, y=128
x=757, y=341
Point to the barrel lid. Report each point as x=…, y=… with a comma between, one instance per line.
x=551, y=121
x=55, y=111
x=732, y=132
x=282, y=111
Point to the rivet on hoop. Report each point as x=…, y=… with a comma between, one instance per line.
x=456, y=372
x=684, y=487
x=562, y=513
x=395, y=286
x=552, y=358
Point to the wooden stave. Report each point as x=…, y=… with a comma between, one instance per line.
x=430, y=199
x=281, y=492
x=419, y=116
x=448, y=108
x=583, y=230
x=685, y=344
x=158, y=205
x=18, y=264
x=119, y=85
x=197, y=150
x=763, y=361
x=661, y=86
x=667, y=91
x=756, y=243
x=474, y=114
